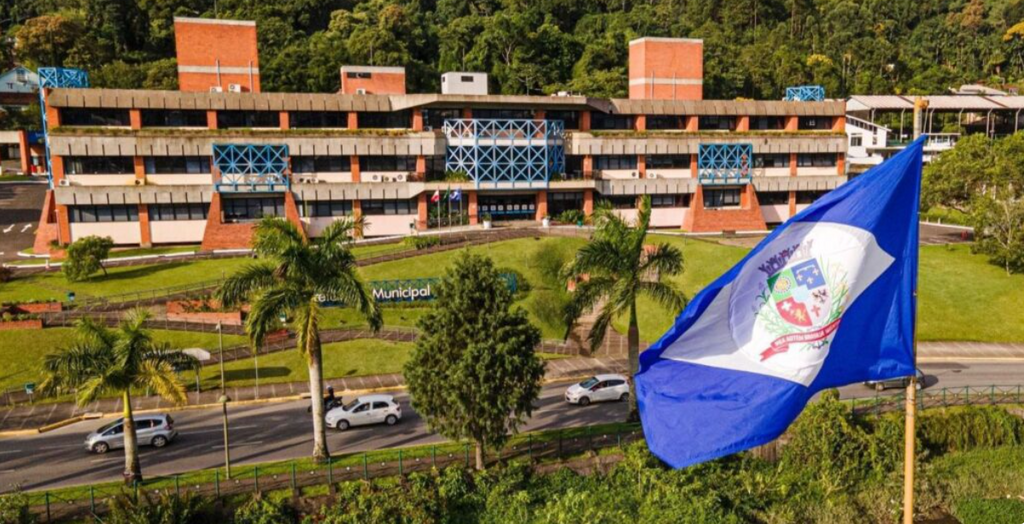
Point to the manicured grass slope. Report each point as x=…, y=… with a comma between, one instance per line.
x=22, y=351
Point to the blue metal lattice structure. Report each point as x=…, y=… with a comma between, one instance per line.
x=506, y=153
x=805, y=94
x=52, y=78
x=251, y=167
x=725, y=163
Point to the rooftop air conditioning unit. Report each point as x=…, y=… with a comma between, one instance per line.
x=360, y=91
x=633, y=174
x=652, y=175
x=234, y=88
x=375, y=178
x=216, y=89
x=64, y=182
x=400, y=178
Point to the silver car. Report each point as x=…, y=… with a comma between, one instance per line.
x=600, y=388
x=150, y=430
x=369, y=409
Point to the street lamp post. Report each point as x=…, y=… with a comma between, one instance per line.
x=220, y=342
x=224, y=399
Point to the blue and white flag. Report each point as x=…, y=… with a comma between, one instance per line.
x=456, y=196
x=826, y=300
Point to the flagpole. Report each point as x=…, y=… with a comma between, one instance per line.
x=910, y=428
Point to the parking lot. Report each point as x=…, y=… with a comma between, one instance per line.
x=20, y=205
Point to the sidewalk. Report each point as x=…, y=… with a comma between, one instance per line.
x=22, y=418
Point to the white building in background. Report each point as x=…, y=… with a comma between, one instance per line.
x=19, y=80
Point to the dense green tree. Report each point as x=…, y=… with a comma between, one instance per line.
x=117, y=361
x=616, y=268
x=290, y=280
x=474, y=373
x=85, y=256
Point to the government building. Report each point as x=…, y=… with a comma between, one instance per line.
x=202, y=164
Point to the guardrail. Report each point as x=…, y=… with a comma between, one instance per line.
x=91, y=501
x=939, y=398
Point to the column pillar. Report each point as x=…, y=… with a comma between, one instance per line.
x=588, y=202
x=467, y=113
x=421, y=212
x=839, y=124
x=353, y=120
x=641, y=166
x=354, y=167
x=135, y=118
x=692, y=123
x=743, y=123
x=792, y=203
x=421, y=167
x=211, y=119
x=139, y=163
x=57, y=165
x=25, y=151
x=840, y=164
x=473, y=208
x=693, y=165
x=357, y=213
x=588, y=166
x=539, y=114
x=417, y=119
x=63, y=224
x=146, y=235
x=285, y=119
x=792, y=123
x=542, y=205
x=640, y=122
x=584, y=120
x=792, y=164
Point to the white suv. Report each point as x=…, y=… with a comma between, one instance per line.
x=370, y=409
x=598, y=389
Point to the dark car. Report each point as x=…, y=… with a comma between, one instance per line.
x=898, y=382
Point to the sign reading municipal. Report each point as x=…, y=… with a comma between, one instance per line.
x=826, y=300
x=408, y=290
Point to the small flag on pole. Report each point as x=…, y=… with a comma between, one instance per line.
x=436, y=196
x=456, y=195
x=826, y=300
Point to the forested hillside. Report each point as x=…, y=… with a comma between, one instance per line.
x=753, y=48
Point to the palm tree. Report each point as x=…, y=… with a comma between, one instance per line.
x=615, y=268
x=295, y=275
x=117, y=361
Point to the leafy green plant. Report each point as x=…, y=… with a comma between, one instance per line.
x=261, y=510
x=423, y=241
x=990, y=511
x=14, y=509
x=6, y=274
x=85, y=256
x=168, y=508
x=571, y=216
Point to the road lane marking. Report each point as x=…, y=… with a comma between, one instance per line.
x=239, y=445
x=10, y=452
x=9, y=228
x=218, y=430
x=27, y=226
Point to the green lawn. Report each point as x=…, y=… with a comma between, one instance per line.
x=22, y=351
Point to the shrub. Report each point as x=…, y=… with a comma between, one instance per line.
x=423, y=241
x=571, y=216
x=260, y=510
x=6, y=274
x=980, y=511
x=85, y=256
x=14, y=509
x=969, y=427
x=522, y=284
x=129, y=508
x=549, y=262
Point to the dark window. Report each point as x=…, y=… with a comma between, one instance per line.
x=604, y=121
x=248, y=209
x=856, y=141
x=325, y=208
x=88, y=116
x=508, y=207
x=771, y=160
x=173, y=118
x=816, y=160
x=818, y=123
x=321, y=164
x=560, y=202
x=773, y=198
x=808, y=197
x=680, y=200
x=503, y=114
x=666, y=122
x=571, y=119
x=387, y=163
x=668, y=161
x=99, y=165
x=772, y=123
x=621, y=201
x=318, y=119
x=385, y=120
x=382, y=405
x=357, y=75
x=574, y=166
x=716, y=123
x=389, y=207
x=87, y=214
x=244, y=119
x=466, y=78
x=602, y=162
x=10, y=152
x=721, y=197
x=436, y=166
x=186, y=211
x=434, y=118
x=177, y=165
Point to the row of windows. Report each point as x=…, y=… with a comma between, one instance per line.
x=117, y=213
x=433, y=118
x=177, y=165
x=168, y=212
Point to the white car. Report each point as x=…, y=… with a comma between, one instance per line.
x=370, y=409
x=600, y=388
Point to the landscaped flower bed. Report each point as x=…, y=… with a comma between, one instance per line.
x=32, y=307
x=21, y=323
x=205, y=311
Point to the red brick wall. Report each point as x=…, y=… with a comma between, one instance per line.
x=377, y=84
x=202, y=44
x=677, y=66
x=472, y=209
x=224, y=236
x=747, y=218
x=47, y=230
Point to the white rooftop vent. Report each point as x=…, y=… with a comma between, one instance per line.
x=456, y=83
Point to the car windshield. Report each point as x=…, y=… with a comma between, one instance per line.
x=350, y=405
x=589, y=383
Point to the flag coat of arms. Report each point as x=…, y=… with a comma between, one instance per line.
x=826, y=300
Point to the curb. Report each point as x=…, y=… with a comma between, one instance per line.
x=253, y=402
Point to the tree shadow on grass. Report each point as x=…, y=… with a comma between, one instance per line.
x=250, y=374
x=137, y=272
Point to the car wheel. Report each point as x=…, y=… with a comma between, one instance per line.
x=624, y=397
x=159, y=441
x=100, y=448
x=391, y=420
x=342, y=425
x=879, y=386
x=584, y=401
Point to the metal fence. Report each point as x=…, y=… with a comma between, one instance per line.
x=939, y=398
x=85, y=501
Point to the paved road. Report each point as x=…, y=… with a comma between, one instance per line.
x=20, y=205
x=282, y=431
